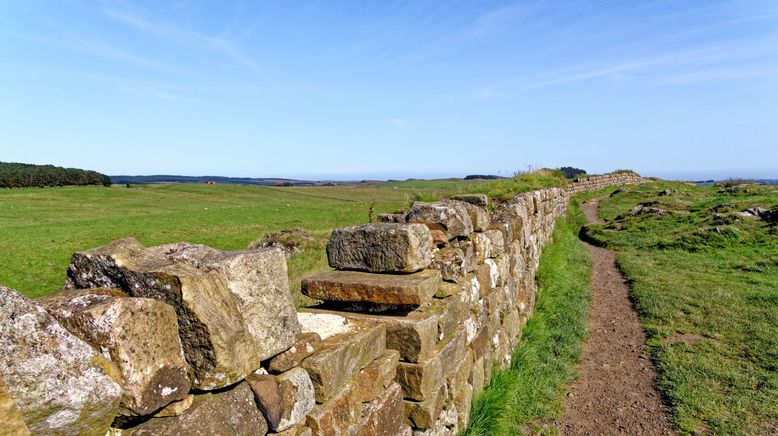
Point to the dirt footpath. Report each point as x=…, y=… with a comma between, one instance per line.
x=616, y=391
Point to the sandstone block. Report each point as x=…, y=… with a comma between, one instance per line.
x=353, y=286
x=451, y=263
x=420, y=381
x=478, y=215
x=463, y=401
x=232, y=412
x=468, y=248
x=448, y=289
x=381, y=247
x=439, y=238
x=450, y=217
x=307, y=343
x=342, y=356
x=497, y=242
x=139, y=334
x=297, y=397
x=451, y=313
x=58, y=381
x=423, y=414
x=234, y=309
x=337, y=416
x=412, y=334
x=384, y=415
x=477, y=376
x=176, y=407
x=377, y=376
x=482, y=245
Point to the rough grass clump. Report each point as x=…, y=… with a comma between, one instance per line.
x=294, y=240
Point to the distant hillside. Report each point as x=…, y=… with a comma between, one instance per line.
x=20, y=175
x=220, y=180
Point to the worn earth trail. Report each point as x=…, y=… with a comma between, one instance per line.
x=616, y=392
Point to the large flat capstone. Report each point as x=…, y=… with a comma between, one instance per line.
x=234, y=309
x=380, y=247
x=58, y=381
x=361, y=287
x=448, y=216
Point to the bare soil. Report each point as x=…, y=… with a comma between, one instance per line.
x=616, y=392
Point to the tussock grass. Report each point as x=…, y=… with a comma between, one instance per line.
x=532, y=390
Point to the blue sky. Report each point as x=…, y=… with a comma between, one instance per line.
x=360, y=89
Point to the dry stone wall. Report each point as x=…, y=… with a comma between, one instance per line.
x=595, y=183
x=184, y=339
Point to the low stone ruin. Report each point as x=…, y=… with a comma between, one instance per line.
x=186, y=339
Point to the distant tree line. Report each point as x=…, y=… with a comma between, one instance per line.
x=19, y=175
x=572, y=172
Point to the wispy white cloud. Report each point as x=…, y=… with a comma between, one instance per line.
x=175, y=32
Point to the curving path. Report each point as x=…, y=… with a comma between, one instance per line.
x=615, y=393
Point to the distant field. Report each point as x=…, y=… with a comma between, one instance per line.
x=41, y=227
x=705, y=282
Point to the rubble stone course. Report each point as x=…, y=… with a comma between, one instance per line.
x=186, y=339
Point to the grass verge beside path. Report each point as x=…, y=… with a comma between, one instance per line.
x=532, y=389
x=704, y=279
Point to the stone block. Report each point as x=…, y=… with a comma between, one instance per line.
x=59, y=383
x=467, y=247
x=476, y=378
x=297, y=397
x=413, y=334
x=339, y=415
x=451, y=313
x=305, y=345
x=451, y=263
x=380, y=247
x=384, y=415
x=463, y=401
x=450, y=217
x=481, y=200
x=482, y=245
x=496, y=241
x=342, y=356
x=176, y=407
x=234, y=309
x=478, y=215
x=420, y=381
x=140, y=335
x=376, y=376
x=447, y=289
x=423, y=414
x=361, y=287
x=230, y=412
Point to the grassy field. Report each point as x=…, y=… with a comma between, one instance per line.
x=41, y=227
x=705, y=283
x=531, y=392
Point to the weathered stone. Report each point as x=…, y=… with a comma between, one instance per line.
x=451, y=263
x=234, y=308
x=448, y=216
x=481, y=200
x=306, y=344
x=376, y=376
x=482, y=245
x=477, y=376
x=353, y=286
x=391, y=217
x=384, y=415
x=468, y=249
x=487, y=276
x=342, y=356
x=450, y=313
x=176, y=407
x=413, y=334
x=231, y=412
x=420, y=381
x=267, y=394
x=140, y=335
x=497, y=242
x=297, y=397
x=459, y=372
x=11, y=421
x=478, y=215
x=447, y=289
x=337, y=416
x=463, y=401
x=422, y=414
x=58, y=381
x=381, y=247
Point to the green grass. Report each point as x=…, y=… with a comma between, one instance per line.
x=532, y=390
x=714, y=280
x=41, y=227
